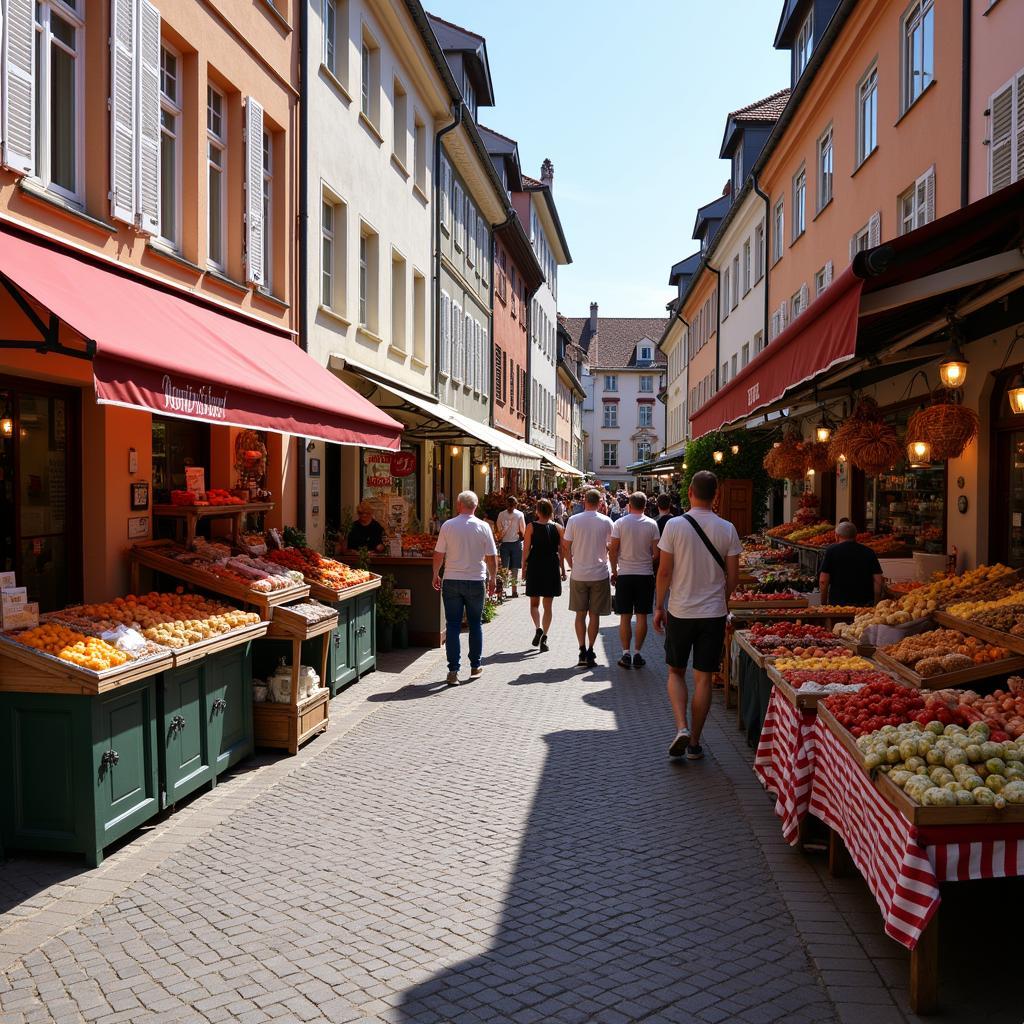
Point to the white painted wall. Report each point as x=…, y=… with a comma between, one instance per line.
x=543, y=348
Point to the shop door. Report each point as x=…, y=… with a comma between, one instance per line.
x=736, y=503
x=39, y=464
x=1007, y=541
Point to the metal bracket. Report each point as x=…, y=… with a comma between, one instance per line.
x=49, y=332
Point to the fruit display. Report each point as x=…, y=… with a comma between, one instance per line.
x=71, y=646
x=948, y=765
x=772, y=583
x=257, y=574
x=902, y=587
x=422, y=542
x=844, y=661
x=878, y=704
x=801, y=677
x=944, y=650
x=319, y=568
x=782, y=530
x=1002, y=710
x=750, y=595
x=312, y=611
x=786, y=638
x=1005, y=614
x=803, y=533
x=214, y=496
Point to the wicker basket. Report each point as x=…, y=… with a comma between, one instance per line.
x=947, y=426
x=789, y=460
x=818, y=456
x=873, y=446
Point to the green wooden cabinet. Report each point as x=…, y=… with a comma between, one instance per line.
x=81, y=771
x=229, y=706
x=341, y=662
x=366, y=632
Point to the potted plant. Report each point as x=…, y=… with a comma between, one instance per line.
x=400, y=632
x=386, y=610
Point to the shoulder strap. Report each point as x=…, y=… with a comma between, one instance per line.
x=715, y=554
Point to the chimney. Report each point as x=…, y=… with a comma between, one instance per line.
x=593, y=318
x=547, y=174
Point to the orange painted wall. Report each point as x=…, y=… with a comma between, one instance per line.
x=928, y=133
x=997, y=54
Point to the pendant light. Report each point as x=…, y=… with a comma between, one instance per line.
x=7, y=423
x=823, y=431
x=920, y=454
x=1015, y=393
x=953, y=367
x=735, y=449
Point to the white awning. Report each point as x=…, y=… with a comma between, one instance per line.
x=563, y=467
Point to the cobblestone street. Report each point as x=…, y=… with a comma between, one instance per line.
x=518, y=849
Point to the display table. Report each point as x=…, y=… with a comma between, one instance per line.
x=426, y=612
x=187, y=517
x=753, y=688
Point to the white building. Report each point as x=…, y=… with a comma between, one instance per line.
x=623, y=373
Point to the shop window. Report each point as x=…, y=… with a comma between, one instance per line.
x=177, y=444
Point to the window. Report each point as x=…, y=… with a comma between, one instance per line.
x=645, y=414
x=216, y=205
x=758, y=252
x=646, y=384
x=399, y=287
x=917, y=204
x=419, y=153
x=170, y=148
x=778, y=226
x=460, y=217
x=332, y=253
x=58, y=95
x=400, y=123
x=918, y=50
x=611, y=382
x=471, y=236
x=798, y=303
x=819, y=282
x=369, y=93
x=804, y=45
x=758, y=342
x=268, y=210
x=335, y=55
x=726, y=279
x=611, y=414
x=867, y=115
x=799, y=203
x=745, y=355
x=643, y=450
x=746, y=266
x=646, y=353
x=610, y=453
x=825, y=169
x=737, y=168
x=419, y=316
x=368, y=277
x=1006, y=134
x=724, y=375
x=469, y=94
x=735, y=282
x=868, y=236
x=732, y=366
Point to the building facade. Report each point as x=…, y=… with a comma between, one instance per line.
x=570, y=395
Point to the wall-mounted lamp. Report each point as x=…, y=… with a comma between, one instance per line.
x=735, y=449
x=455, y=450
x=718, y=456
x=953, y=367
x=823, y=431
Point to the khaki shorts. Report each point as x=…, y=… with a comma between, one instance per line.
x=594, y=596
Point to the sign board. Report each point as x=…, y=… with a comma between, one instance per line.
x=138, y=527
x=403, y=596
x=195, y=481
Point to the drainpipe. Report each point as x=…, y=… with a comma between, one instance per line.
x=686, y=382
x=457, y=109
x=965, y=108
x=718, y=325
x=767, y=243
x=303, y=261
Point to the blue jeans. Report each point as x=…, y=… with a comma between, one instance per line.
x=459, y=596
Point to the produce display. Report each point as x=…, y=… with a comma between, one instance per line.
x=839, y=677
x=787, y=638
x=944, y=650
x=782, y=530
x=803, y=533
x=948, y=765
x=317, y=568
x=878, y=704
x=1005, y=614
x=773, y=583
x=258, y=574
x=76, y=648
x=1002, y=710
x=422, y=542
x=312, y=611
x=846, y=661
x=755, y=594
x=214, y=496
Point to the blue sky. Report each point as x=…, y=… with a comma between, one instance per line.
x=634, y=133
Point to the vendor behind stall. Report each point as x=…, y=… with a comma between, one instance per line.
x=366, y=532
x=850, y=571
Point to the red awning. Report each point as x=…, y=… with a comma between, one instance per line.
x=818, y=339
x=166, y=354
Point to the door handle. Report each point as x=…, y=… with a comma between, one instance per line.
x=177, y=724
x=220, y=704
x=110, y=758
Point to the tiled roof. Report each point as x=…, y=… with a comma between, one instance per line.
x=532, y=184
x=769, y=109
x=614, y=344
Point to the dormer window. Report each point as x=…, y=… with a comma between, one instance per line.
x=646, y=355
x=804, y=44
x=468, y=94
x=737, y=169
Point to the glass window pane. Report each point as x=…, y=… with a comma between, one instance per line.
x=62, y=118
x=168, y=181
x=215, y=201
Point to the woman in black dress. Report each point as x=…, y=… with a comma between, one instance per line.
x=543, y=568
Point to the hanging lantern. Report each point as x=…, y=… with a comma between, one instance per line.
x=1015, y=393
x=718, y=456
x=684, y=465
x=920, y=454
x=735, y=449
x=455, y=450
x=953, y=368
x=810, y=472
x=6, y=426
x=823, y=431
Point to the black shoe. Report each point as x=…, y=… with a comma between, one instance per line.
x=544, y=644
x=626, y=661
x=638, y=662
x=536, y=637
x=591, y=657
x=581, y=662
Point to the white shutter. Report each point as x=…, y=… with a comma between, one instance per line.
x=254, y=269
x=444, y=184
x=456, y=341
x=1019, y=114
x=123, y=122
x=875, y=229
x=853, y=245
x=929, y=195
x=1000, y=159
x=446, y=332
x=148, y=179
x=783, y=315
x=18, y=86
x=487, y=354
x=773, y=326
x=470, y=231
x=828, y=273
x=804, y=297
x=478, y=355
x=460, y=345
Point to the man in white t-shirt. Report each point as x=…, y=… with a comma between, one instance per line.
x=633, y=552
x=465, y=547
x=511, y=531
x=585, y=544
x=700, y=562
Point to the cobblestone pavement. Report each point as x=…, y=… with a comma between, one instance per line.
x=518, y=849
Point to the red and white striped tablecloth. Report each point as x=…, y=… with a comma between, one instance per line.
x=784, y=761
x=901, y=864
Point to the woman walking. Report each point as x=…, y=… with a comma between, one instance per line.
x=543, y=569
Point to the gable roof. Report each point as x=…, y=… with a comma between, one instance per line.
x=456, y=39
x=506, y=151
x=614, y=344
x=684, y=268
x=769, y=109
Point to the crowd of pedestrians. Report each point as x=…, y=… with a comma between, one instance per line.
x=678, y=566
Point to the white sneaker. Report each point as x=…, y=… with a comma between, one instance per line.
x=679, y=744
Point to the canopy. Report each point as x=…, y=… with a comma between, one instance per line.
x=563, y=467
x=159, y=351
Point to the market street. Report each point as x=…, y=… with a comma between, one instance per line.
x=517, y=849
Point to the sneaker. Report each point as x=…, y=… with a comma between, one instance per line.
x=544, y=644
x=581, y=662
x=537, y=637
x=453, y=679
x=638, y=662
x=626, y=661
x=476, y=673
x=591, y=657
x=680, y=743
x=694, y=753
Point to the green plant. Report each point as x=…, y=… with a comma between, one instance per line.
x=504, y=581
x=490, y=609
x=346, y=521
x=294, y=537
x=363, y=558
x=386, y=607
x=331, y=538
x=746, y=465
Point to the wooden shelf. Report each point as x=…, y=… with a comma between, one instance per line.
x=995, y=636
x=988, y=670
x=288, y=726
x=323, y=593
x=186, y=655
x=289, y=625
x=190, y=515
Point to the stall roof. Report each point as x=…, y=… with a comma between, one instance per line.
x=161, y=352
x=562, y=466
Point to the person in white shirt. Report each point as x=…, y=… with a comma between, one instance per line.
x=633, y=552
x=465, y=547
x=700, y=562
x=586, y=540
x=511, y=531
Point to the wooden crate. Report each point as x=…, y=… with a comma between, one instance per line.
x=767, y=604
x=961, y=677
x=322, y=593
x=287, y=625
x=995, y=636
x=800, y=700
x=288, y=726
x=185, y=655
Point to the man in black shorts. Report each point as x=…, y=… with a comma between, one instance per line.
x=700, y=565
x=632, y=553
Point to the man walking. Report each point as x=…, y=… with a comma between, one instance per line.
x=465, y=547
x=700, y=562
x=586, y=552
x=511, y=531
x=664, y=512
x=633, y=552
x=850, y=571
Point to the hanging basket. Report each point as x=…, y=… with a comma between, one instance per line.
x=818, y=456
x=873, y=447
x=947, y=426
x=788, y=461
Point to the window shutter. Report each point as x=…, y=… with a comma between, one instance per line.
x=929, y=195
x=18, y=87
x=446, y=332
x=149, y=119
x=828, y=273
x=783, y=315
x=255, y=271
x=853, y=245
x=804, y=297
x=1000, y=165
x=875, y=229
x=470, y=232
x=485, y=359
x=123, y=122
x=445, y=184
x=1019, y=110
x=456, y=341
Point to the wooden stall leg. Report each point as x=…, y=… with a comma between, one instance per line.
x=840, y=865
x=924, y=969
x=293, y=732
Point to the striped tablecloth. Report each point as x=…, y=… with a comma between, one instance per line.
x=784, y=761
x=901, y=864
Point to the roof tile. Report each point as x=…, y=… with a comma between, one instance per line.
x=614, y=344
x=768, y=109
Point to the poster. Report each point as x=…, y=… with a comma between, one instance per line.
x=391, y=474
x=195, y=481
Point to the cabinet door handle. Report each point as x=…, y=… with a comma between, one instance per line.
x=177, y=723
x=220, y=704
x=109, y=758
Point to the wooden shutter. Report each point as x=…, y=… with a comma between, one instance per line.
x=446, y=333
x=828, y=273
x=1000, y=160
x=485, y=361
x=123, y=121
x=470, y=232
x=148, y=180
x=1018, y=106
x=929, y=195
x=783, y=315
x=445, y=184
x=18, y=87
x=875, y=229
x=853, y=245
x=255, y=271
x=804, y=297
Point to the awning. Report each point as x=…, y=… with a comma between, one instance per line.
x=442, y=423
x=163, y=353
x=826, y=334
x=666, y=460
x=563, y=467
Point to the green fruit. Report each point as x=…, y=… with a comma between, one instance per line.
x=935, y=728
x=964, y=797
x=996, y=765
x=955, y=756
x=980, y=729
x=973, y=752
x=937, y=797
x=1013, y=792
x=995, y=783
x=984, y=795
x=913, y=763
x=934, y=756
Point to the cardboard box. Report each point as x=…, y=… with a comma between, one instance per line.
x=8, y=580
x=23, y=617
x=13, y=598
